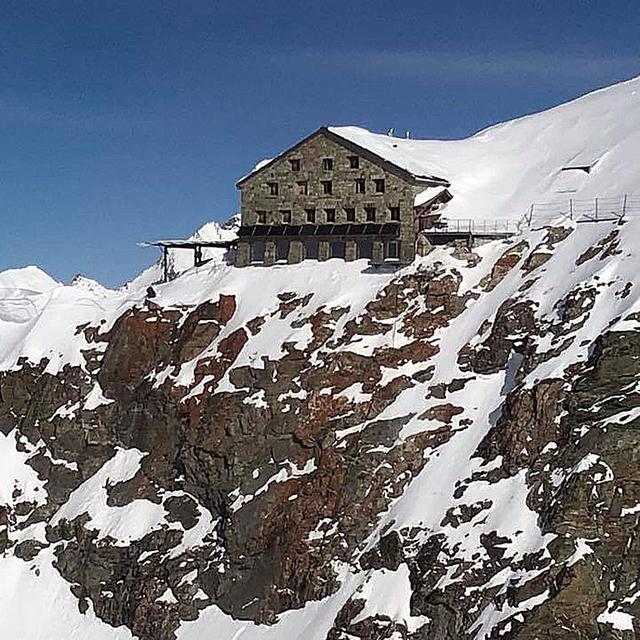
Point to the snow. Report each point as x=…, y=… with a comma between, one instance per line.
x=617, y=619
x=501, y=171
x=123, y=524
x=15, y=473
x=496, y=173
x=388, y=593
x=37, y=604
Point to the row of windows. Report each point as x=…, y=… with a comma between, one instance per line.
x=337, y=249
x=330, y=215
x=327, y=163
x=326, y=187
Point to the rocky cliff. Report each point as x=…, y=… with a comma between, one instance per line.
x=328, y=451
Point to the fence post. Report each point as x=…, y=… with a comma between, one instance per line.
x=624, y=205
x=596, y=209
x=570, y=208
x=530, y=214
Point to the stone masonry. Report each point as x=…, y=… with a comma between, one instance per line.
x=327, y=198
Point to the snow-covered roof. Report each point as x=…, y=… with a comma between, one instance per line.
x=381, y=147
x=401, y=152
x=500, y=171
x=428, y=194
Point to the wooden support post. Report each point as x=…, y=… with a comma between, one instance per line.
x=570, y=208
x=624, y=205
x=596, y=209
x=165, y=264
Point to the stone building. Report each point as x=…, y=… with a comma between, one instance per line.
x=330, y=197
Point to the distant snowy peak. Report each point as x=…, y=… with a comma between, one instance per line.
x=218, y=231
x=27, y=279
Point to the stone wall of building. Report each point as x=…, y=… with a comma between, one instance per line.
x=317, y=183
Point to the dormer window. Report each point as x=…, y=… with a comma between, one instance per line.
x=273, y=188
x=360, y=187
x=379, y=185
x=327, y=164
x=327, y=187
x=261, y=217
x=354, y=162
x=295, y=164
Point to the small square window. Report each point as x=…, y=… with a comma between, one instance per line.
x=370, y=214
x=303, y=188
x=327, y=164
x=360, y=186
x=261, y=217
x=295, y=164
x=354, y=162
x=331, y=215
x=391, y=250
x=273, y=188
x=311, y=215
x=286, y=216
x=379, y=184
x=327, y=187
x=394, y=213
x=350, y=212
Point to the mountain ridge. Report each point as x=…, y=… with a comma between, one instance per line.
x=326, y=450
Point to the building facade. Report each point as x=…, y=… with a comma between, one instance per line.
x=327, y=197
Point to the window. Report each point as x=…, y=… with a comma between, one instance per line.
x=261, y=217
x=303, y=188
x=391, y=250
x=311, y=250
x=327, y=187
x=257, y=251
x=360, y=185
x=295, y=164
x=327, y=164
x=365, y=249
x=311, y=215
x=379, y=185
x=286, y=216
x=337, y=250
x=354, y=162
x=282, y=250
x=394, y=213
x=273, y=188
x=350, y=212
x=370, y=214
x=331, y=215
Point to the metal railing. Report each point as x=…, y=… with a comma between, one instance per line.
x=581, y=210
x=471, y=226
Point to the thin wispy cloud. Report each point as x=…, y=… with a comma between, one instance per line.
x=463, y=66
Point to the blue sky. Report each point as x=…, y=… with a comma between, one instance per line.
x=126, y=121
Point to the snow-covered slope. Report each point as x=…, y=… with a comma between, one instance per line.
x=501, y=171
x=444, y=451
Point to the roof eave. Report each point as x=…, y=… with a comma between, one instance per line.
x=356, y=148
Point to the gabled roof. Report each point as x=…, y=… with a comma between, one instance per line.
x=378, y=154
